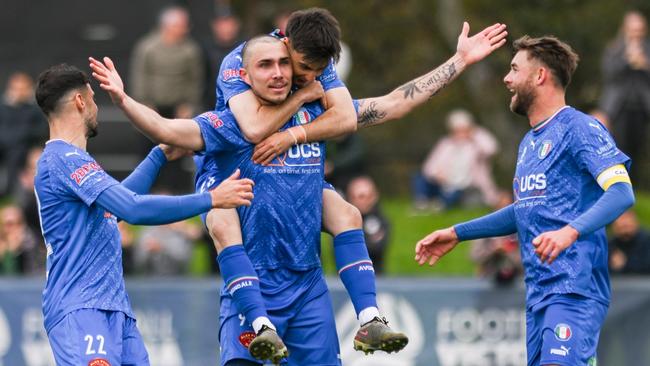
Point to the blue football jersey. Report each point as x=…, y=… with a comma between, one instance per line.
x=555, y=182
x=230, y=82
x=281, y=228
x=84, y=252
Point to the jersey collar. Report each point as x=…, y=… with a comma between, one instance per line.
x=545, y=122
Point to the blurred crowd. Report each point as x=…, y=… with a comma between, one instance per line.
x=175, y=74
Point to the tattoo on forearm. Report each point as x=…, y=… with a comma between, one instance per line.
x=430, y=83
x=369, y=115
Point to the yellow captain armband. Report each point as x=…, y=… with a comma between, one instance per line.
x=611, y=175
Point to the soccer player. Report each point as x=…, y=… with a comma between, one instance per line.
x=570, y=181
x=87, y=313
x=313, y=40
x=224, y=225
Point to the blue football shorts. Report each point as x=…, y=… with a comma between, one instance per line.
x=97, y=338
x=299, y=305
x=563, y=329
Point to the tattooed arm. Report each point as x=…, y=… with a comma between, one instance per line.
x=401, y=101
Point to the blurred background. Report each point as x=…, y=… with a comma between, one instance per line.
x=399, y=175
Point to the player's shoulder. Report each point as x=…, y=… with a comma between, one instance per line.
x=61, y=151
x=329, y=73
x=232, y=63
x=577, y=121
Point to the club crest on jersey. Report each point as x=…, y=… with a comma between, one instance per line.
x=303, y=116
x=245, y=338
x=544, y=149
x=563, y=332
x=99, y=362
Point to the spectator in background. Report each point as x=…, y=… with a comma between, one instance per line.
x=20, y=252
x=22, y=125
x=458, y=162
x=166, y=250
x=344, y=160
x=128, y=248
x=626, y=94
x=629, y=246
x=167, y=67
x=363, y=194
x=23, y=195
x=498, y=258
x=225, y=36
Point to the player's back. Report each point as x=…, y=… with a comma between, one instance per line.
x=84, y=255
x=555, y=182
x=281, y=228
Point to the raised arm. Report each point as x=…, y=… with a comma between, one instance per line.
x=183, y=133
x=401, y=101
x=258, y=121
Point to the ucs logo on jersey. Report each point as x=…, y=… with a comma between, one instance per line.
x=563, y=332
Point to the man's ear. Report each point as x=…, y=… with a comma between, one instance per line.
x=244, y=75
x=79, y=101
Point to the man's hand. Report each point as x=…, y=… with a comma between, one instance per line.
x=173, y=153
x=477, y=47
x=550, y=244
x=109, y=79
x=272, y=146
x=233, y=192
x=617, y=260
x=435, y=245
x=311, y=92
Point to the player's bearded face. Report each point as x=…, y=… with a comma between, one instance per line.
x=523, y=98
x=90, y=114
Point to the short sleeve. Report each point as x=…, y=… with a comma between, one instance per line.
x=594, y=148
x=79, y=174
x=329, y=79
x=229, y=80
x=217, y=134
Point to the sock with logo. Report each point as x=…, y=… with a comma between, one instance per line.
x=243, y=285
x=355, y=269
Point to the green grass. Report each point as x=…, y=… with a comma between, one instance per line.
x=408, y=229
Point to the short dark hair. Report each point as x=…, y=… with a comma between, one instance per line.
x=557, y=55
x=55, y=82
x=315, y=33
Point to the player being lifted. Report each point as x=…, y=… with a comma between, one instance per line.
x=570, y=181
x=88, y=317
x=313, y=40
x=372, y=111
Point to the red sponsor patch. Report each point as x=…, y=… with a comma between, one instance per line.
x=246, y=338
x=99, y=362
x=215, y=121
x=79, y=174
x=230, y=73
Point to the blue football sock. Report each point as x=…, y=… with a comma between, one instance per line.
x=242, y=282
x=355, y=269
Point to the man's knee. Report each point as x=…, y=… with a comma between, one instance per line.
x=224, y=228
x=341, y=216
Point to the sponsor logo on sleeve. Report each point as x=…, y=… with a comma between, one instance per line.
x=215, y=121
x=85, y=171
x=228, y=74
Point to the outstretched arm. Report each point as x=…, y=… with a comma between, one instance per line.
x=184, y=133
x=401, y=101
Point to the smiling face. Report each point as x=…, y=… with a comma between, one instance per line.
x=519, y=81
x=267, y=69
